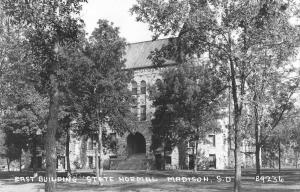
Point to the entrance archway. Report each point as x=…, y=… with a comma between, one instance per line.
x=136, y=143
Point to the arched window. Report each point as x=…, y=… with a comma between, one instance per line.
x=143, y=87
x=134, y=87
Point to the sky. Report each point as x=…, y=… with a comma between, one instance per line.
x=116, y=11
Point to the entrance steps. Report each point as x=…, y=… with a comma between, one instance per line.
x=134, y=162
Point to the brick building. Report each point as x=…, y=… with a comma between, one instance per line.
x=133, y=149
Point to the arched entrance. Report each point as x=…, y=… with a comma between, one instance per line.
x=136, y=143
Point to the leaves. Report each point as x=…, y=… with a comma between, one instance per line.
x=187, y=104
x=98, y=84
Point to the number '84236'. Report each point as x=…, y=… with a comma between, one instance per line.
x=269, y=179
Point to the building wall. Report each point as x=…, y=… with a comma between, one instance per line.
x=150, y=75
x=3, y=164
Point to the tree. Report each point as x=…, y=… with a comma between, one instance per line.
x=24, y=109
x=24, y=118
x=286, y=135
x=271, y=102
x=295, y=138
x=48, y=25
x=102, y=97
x=232, y=32
x=14, y=144
x=187, y=105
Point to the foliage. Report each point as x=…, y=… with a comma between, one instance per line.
x=233, y=33
x=48, y=26
x=99, y=82
x=24, y=110
x=187, y=104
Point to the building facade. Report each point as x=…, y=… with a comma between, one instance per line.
x=133, y=149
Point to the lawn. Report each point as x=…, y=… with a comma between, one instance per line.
x=208, y=181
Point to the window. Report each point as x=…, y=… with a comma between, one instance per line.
x=90, y=144
x=134, y=88
x=94, y=139
x=60, y=162
x=90, y=162
x=113, y=141
x=212, y=140
x=143, y=87
x=168, y=160
x=191, y=161
x=143, y=112
x=212, y=160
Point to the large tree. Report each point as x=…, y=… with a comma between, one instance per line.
x=232, y=32
x=187, y=103
x=23, y=108
x=270, y=97
x=48, y=26
x=100, y=86
x=284, y=136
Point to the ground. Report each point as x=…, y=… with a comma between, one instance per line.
x=145, y=181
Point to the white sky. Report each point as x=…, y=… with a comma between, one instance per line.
x=116, y=11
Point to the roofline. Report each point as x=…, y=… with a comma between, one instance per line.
x=150, y=40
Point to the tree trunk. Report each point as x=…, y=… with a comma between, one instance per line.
x=34, y=158
x=196, y=156
x=279, y=157
x=238, y=170
x=8, y=164
x=68, y=152
x=164, y=156
x=100, y=148
x=257, y=140
x=237, y=114
x=296, y=159
x=97, y=163
x=20, y=160
x=51, y=157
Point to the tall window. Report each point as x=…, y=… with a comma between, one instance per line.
x=90, y=144
x=212, y=160
x=143, y=87
x=212, y=140
x=91, y=165
x=143, y=113
x=134, y=87
x=113, y=141
x=168, y=160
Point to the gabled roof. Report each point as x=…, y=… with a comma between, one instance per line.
x=137, y=54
